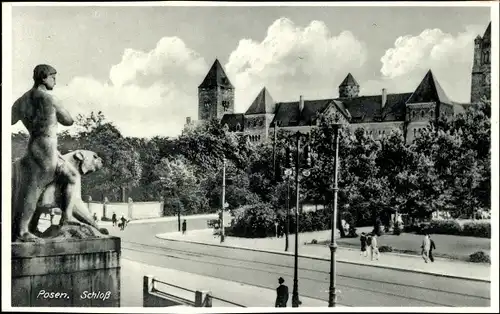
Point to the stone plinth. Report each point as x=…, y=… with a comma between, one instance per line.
x=79, y=273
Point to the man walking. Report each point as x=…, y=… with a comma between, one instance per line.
x=362, y=239
x=184, y=226
x=281, y=294
x=433, y=247
x=113, y=219
x=374, y=247
x=426, y=246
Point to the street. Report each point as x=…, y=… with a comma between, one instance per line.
x=359, y=286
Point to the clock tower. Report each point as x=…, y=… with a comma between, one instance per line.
x=215, y=94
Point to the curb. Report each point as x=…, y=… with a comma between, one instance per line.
x=326, y=259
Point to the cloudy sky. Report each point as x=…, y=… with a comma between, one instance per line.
x=141, y=66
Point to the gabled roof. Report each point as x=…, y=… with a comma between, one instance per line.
x=429, y=90
x=263, y=103
x=349, y=81
x=288, y=113
x=232, y=120
x=487, y=33
x=365, y=109
x=216, y=77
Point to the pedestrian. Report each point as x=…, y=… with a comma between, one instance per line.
x=362, y=239
x=184, y=226
x=123, y=223
x=95, y=217
x=369, y=244
x=281, y=294
x=433, y=247
x=374, y=247
x=426, y=246
x=113, y=219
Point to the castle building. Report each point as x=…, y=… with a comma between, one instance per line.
x=377, y=114
x=481, y=69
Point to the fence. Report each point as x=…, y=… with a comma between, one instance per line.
x=157, y=293
x=131, y=210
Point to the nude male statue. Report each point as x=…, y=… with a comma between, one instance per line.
x=40, y=113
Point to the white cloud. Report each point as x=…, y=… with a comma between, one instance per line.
x=149, y=93
x=449, y=57
x=291, y=61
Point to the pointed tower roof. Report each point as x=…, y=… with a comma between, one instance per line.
x=487, y=33
x=429, y=90
x=216, y=77
x=349, y=81
x=263, y=103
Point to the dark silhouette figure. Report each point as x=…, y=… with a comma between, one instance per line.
x=113, y=219
x=433, y=247
x=281, y=294
x=123, y=223
x=184, y=226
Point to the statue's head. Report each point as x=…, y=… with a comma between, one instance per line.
x=44, y=74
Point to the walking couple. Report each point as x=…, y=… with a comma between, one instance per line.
x=427, y=246
x=369, y=245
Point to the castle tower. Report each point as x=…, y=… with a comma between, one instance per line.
x=215, y=94
x=259, y=116
x=481, y=68
x=349, y=88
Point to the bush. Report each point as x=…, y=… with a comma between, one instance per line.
x=481, y=229
x=479, y=257
x=451, y=227
x=385, y=248
x=257, y=221
x=377, y=229
x=352, y=232
x=314, y=241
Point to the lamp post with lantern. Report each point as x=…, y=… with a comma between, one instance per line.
x=293, y=168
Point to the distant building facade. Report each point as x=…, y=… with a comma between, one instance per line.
x=377, y=114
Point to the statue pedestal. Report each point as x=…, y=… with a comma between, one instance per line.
x=79, y=273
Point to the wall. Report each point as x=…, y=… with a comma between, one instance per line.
x=134, y=210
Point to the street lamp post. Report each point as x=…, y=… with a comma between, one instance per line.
x=288, y=173
x=332, y=297
x=298, y=174
x=223, y=199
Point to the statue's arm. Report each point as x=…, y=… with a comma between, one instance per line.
x=63, y=115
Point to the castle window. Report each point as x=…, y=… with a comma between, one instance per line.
x=486, y=56
x=238, y=127
x=414, y=132
x=225, y=105
x=422, y=113
x=432, y=112
x=207, y=103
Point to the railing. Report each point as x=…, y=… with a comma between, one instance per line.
x=155, y=297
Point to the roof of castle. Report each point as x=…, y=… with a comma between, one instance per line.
x=232, y=120
x=487, y=33
x=263, y=103
x=349, y=81
x=216, y=77
x=429, y=90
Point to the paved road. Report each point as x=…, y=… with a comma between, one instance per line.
x=357, y=285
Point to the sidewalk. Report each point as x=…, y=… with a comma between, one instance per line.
x=405, y=262
x=132, y=274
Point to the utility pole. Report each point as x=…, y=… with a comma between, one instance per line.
x=223, y=198
x=332, y=296
x=295, y=294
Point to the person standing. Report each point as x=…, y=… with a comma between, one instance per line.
x=113, y=219
x=432, y=247
x=426, y=246
x=362, y=239
x=369, y=244
x=374, y=247
x=123, y=223
x=95, y=217
x=184, y=226
x=281, y=294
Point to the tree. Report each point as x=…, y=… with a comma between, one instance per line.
x=122, y=168
x=177, y=185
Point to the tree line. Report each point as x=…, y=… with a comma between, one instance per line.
x=446, y=168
